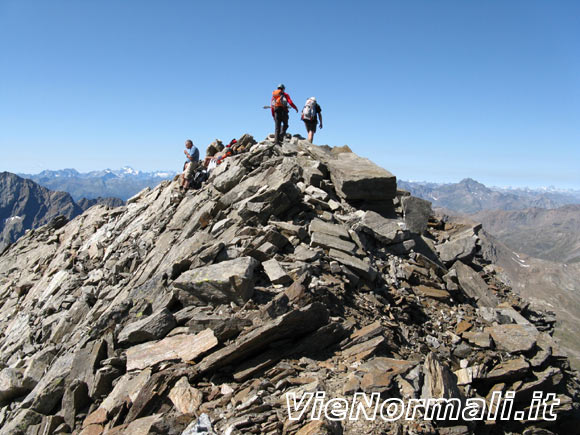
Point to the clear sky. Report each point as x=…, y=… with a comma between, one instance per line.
x=430, y=90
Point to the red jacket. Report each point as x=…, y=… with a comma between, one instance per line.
x=289, y=102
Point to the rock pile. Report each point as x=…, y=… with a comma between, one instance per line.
x=295, y=269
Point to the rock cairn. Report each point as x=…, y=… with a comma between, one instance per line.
x=295, y=269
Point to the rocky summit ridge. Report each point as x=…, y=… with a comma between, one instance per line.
x=294, y=269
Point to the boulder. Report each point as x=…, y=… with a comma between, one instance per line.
x=228, y=281
x=185, y=398
x=11, y=384
x=153, y=327
x=227, y=175
x=357, y=178
x=513, y=338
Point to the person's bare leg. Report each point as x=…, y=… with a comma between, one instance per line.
x=310, y=136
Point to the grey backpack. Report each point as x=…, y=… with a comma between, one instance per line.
x=309, y=110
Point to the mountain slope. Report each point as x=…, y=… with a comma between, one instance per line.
x=547, y=285
x=552, y=235
x=25, y=205
x=296, y=269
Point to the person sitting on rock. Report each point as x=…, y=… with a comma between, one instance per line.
x=192, y=154
x=279, y=107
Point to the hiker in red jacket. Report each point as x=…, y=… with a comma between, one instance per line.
x=279, y=107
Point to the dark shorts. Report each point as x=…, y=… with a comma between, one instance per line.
x=310, y=125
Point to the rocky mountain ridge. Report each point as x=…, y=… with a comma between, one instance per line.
x=25, y=205
x=296, y=269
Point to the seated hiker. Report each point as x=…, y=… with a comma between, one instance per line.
x=310, y=112
x=192, y=154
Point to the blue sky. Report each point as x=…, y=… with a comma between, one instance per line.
x=430, y=90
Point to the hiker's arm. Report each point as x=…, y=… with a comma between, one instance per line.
x=320, y=118
x=291, y=103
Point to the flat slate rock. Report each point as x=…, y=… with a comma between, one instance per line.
x=184, y=347
x=319, y=226
x=326, y=241
x=431, y=292
x=509, y=370
x=513, y=338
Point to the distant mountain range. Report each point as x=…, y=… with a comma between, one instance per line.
x=542, y=223
x=25, y=204
x=469, y=196
x=122, y=183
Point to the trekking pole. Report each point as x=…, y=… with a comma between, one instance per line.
x=266, y=107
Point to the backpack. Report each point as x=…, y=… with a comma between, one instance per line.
x=279, y=99
x=199, y=178
x=309, y=110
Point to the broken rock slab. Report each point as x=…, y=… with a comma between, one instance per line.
x=474, y=285
x=11, y=384
x=186, y=347
x=228, y=281
x=185, y=398
x=439, y=382
x=275, y=272
x=387, y=231
x=292, y=324
x=460, y=247
x=360, y=267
